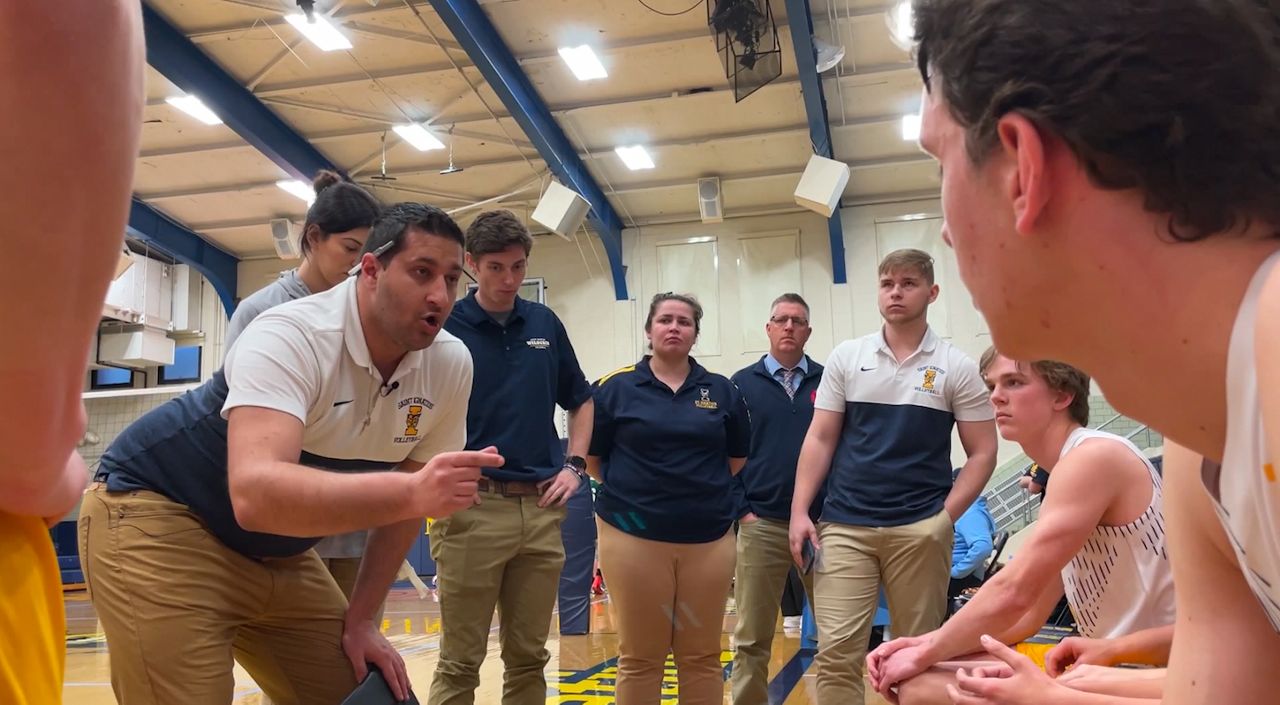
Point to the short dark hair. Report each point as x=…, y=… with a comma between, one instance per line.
x=1175, y=98
x=908, y=258
x=790, y=298
x=396, y=220
x=495, y=231
x=339, y=206
x=683, y=298
x=1058, y=376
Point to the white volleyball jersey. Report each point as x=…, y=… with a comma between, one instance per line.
x=1120, y=581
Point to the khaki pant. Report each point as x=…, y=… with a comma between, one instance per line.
x=176, y=605
x=764, y=560
x=912, y=562
x=667, y=598
x=344, y=572
x=507, y=552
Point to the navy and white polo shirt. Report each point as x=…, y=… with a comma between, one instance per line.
x=892, y=465
x=307, y=358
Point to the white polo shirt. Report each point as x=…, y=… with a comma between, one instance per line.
x=892, y=465
x=308, y=358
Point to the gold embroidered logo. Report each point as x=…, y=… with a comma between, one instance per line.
x=931, y=380
x=411, y=420
x=705, y=402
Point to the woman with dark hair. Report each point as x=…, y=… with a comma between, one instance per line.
x=669, y=436
x=335, y=230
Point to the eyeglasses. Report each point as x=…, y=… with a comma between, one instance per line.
x=797, y=321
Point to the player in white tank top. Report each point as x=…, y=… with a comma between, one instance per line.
x=1099, y=539
x=1245, y=489
x=1120, y=582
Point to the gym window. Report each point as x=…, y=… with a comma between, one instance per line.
x=185, y=367
x=112, y=378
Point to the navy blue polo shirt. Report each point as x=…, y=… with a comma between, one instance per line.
x=522, y=371
x=666, y=455
x=778, y=427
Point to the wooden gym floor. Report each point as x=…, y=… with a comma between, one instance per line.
x=580, y=672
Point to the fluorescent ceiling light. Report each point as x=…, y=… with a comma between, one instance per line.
x=301, y=189
x=418, y=136
x=192, y=106
x=635, y=157
x=583, y=62
x=320, y=32
x=911, y=127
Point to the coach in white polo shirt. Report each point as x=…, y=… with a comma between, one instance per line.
x=882, y=430
x=343, y=410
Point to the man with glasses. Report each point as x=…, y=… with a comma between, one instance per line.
x=779, y=389
x=882, y=431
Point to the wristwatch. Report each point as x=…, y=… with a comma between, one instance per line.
x=578, y=465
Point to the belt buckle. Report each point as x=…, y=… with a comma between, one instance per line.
x=520, y=488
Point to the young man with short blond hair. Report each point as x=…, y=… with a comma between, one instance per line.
x=881, y=440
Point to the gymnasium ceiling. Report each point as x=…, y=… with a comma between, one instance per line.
x=666, y=89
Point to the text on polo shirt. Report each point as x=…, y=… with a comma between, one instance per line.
x=412, y=417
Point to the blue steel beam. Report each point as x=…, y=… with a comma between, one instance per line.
x=474, y=31
x=164, y=233
x=815, y=107
x=178, y=59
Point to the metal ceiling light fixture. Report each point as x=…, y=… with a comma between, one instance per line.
x=829, y=55
x=451, y=169
x=747, y=41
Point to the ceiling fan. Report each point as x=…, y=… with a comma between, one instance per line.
x=451, y=169
x=382, y=173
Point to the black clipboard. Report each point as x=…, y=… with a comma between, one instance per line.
x=375, y=691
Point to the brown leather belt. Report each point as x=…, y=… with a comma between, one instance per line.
x=509, y=488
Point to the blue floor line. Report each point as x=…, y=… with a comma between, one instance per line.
x=789, y=677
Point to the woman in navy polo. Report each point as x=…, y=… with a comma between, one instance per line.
x=669, y=436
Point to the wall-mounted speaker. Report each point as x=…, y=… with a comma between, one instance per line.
x=822, y=184
x=285, y=239
x=710, y=204
x=561, y=210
